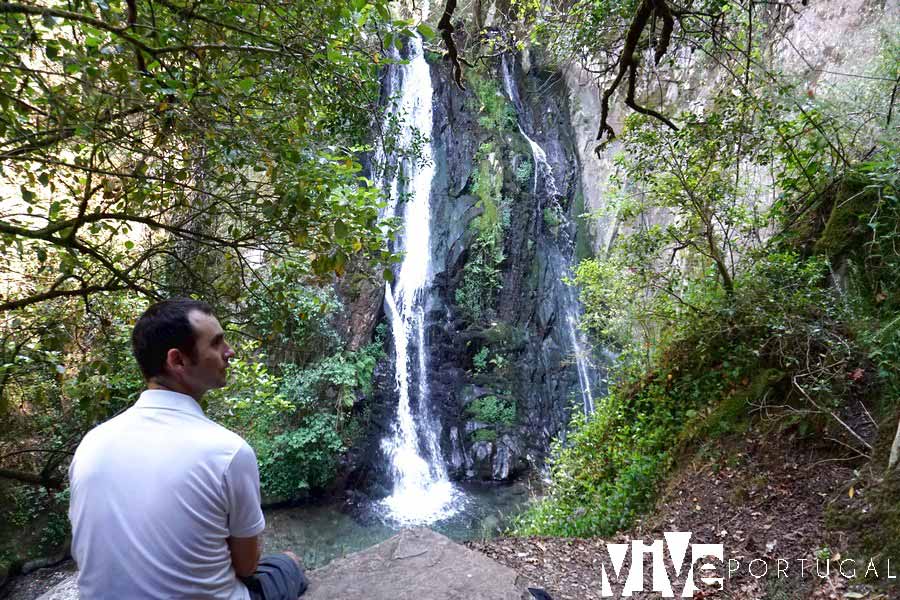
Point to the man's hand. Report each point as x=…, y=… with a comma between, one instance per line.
x=245, y=554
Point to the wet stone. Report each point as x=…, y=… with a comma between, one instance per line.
x=473, y=426
x=482, y=450
x=415, y=564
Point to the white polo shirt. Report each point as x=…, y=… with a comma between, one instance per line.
x=155, y=493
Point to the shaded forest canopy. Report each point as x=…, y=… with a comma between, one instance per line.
x=213, y=149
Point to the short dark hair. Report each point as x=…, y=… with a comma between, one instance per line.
x=164, y=326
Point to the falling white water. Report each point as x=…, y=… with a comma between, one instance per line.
x=543, y=172
x=581, y=362
x=422, y=492
x=542, y=169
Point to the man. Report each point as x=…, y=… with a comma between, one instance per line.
x=165, y=503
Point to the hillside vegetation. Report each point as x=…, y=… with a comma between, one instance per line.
x=753, y=286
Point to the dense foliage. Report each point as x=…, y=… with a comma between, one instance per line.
x=493, y=410
x=724, y=304
x=139, y=136
x=481, y=278
x=299, y=419
x=160, y=148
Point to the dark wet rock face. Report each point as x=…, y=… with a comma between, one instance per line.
x=535, y=374
x=529, y=370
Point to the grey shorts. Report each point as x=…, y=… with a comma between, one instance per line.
x=277, y=577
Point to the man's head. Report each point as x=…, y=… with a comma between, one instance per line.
x=180, y=345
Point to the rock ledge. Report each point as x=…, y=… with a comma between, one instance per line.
x=415, y=564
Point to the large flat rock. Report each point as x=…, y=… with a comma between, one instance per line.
x=67, y=589
x=415, y=564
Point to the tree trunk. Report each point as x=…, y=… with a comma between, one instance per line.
x=31, y=478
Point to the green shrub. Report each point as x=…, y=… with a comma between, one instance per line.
x=481, y=275
x=780, y=324
x=300, y=460
x=480, y=360
x=298, y=419
x=524, y=171
x=27, y=505
x=39, y=516
x=480, y=283
x=57, y=528
x=484, y=435
x=873, y=263
x=493, y=410
x=494, y=110
x=552, y=217
x=298, y=328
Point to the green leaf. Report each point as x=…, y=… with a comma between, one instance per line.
x=340, y=231
x=321, y=265
x=246, y=84
x=339, y=262
x=425, y=31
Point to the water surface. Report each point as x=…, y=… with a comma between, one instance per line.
x=322, y=533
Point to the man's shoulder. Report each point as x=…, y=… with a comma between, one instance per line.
x=204, y=432
x=110, y=428
x=221, y=435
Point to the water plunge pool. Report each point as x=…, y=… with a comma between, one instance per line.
x=320, y=533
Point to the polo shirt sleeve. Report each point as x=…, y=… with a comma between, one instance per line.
x=245, y=517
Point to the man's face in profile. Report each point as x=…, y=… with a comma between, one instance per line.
x=208, y=368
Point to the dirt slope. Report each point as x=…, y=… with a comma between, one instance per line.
x=761, y=496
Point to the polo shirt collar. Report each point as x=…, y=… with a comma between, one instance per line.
x=170, y=400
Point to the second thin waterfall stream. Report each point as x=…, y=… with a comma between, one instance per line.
x=568, y=301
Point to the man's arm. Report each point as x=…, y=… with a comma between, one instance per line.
x=245, y=553
x=245, y=518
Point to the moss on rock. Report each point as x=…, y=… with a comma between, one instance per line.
x=846, y=225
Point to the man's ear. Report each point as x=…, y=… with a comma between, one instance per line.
x=174, y=361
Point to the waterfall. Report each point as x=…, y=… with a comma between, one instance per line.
x=543, y=172
x=422, y=492
x=568, y=301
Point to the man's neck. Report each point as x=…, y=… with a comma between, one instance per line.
x=164, y=383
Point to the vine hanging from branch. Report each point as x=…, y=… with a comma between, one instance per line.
x=445, y=26
x=629, y=61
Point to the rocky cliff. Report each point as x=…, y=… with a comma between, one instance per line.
x=504, y=375
x=516, y=171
